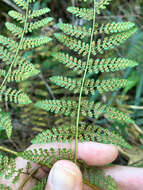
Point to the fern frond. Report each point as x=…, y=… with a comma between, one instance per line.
x=38, y=24
x=34, y=42
x=21, y=3
x=65, y=107
x=95, y=66
x=37, y=13
x=16, y=96
x=47, y=157
x=5, y=123
x=16, y=30
x=8, y=168
x=100, y=46
x=76, y=31
x=9, y=43
x=76, y=45
x=92, y=110
x=97, y=178
x=114, y=40
x=114, y=27
x=86, y=133
x=81, y=12
x=109, y=28
x=6, y=55
x=20, y=74
x=17, y=16
x=88, y=109
x=90, y=85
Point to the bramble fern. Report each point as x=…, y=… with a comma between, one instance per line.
x=15, y=67
x=89, y=46
x=103, y=38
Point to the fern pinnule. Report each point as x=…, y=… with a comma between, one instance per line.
x=17, y=16
x=21, y=3
x=114, y=27
x=16, y=30
x=81, y=12
x=9, y=43
x=15, y=96
x=33, y=42
x=38, y=24
x=5, y=123
x=38, y=13
x=66, y=107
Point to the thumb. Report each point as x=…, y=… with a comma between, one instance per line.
x=64, y=175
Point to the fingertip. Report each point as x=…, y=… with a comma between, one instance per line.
x=97, y=154
x=64, y=175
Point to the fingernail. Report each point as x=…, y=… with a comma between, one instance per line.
x=64, y=175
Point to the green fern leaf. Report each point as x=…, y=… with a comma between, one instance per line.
x=95, y=66
x=65, y=107
x=21, y=3
x=81, y=12
x=47, y=157
x=8, y=168
x=9, y=43
x=90, y=85
x=17, y=16
x=92, y=110
x=32, y=42
x=109, y=28
x=38, y=24
x=16, y=30
x=88, y=109
x=37, y=13
x=97, y=47
x=97, y=178
x=16, y=96
x=5, y=123
x=20, y=74
x=114, y=27
x=86, y=133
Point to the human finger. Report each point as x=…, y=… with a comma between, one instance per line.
x=64, y=175
x=128, y=178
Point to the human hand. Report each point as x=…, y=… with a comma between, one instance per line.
x=65, y=175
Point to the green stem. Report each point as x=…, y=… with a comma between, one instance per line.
x=82, y=85
x=19, y=46
x=4, y=149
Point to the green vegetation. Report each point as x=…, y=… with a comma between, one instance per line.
x=93, y=52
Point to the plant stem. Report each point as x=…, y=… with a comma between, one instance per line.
x=82, y=85
x=18, y=48
x=4, y=149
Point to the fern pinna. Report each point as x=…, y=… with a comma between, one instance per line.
x=14, y=66
x=88, y=45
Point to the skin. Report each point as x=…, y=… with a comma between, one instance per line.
x=128, y=178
